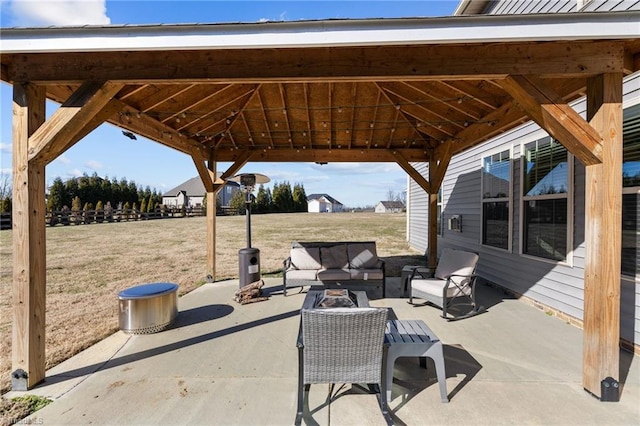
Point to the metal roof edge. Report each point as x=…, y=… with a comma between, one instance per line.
x=325, y=33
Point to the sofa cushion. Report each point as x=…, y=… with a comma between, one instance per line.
x=333, y=275
x=366, y=274
x=458, y=262
x=306, y=257
x=362, y=255
x=334, y=257
x=302, y=274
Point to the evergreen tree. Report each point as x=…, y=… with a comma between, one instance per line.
x=237, y=204
x=263, y=200
x=76, y=210
x=71, y=192
x=76, y=204
x=5, y=205
x=150, y=204
x=99, y=212
x=57, y=195
x=299, y=198
x=282, y=197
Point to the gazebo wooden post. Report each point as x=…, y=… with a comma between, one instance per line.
x=432, y=237
x=211, y=222
x=603, y=237
x=29, y=250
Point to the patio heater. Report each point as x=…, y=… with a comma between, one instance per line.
x=248, y=257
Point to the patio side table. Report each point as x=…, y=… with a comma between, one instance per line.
x=413, y=338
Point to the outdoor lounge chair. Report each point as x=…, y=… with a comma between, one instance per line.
x=452, y=283
x=342, y=345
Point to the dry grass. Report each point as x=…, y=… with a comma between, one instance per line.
x=88, y=265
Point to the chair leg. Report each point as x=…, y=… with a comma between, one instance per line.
x=301, y=387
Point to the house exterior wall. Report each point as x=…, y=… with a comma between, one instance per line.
x=323, y=206
x=197, y=200
x=558, y=285
x=519, y=7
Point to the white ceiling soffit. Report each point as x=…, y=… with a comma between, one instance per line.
x=407, y=31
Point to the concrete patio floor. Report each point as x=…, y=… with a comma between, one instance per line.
x=224, y=363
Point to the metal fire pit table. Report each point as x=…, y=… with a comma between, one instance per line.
x=148, y=308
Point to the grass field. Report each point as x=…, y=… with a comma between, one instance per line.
x=87, y=265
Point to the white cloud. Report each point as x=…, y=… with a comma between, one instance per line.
x=5, y=148
x=93, y=165
x=74, y=173
x=63, y=159
x=59, y=12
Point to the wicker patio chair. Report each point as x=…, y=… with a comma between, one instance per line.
x=342, y=345
x=452, y=283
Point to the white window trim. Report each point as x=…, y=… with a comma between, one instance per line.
x=568, y=261
x=509, y=248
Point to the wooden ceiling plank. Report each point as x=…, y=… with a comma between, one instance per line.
x=162, y=96
x=418, y=110
x=285, y=112
x=246, y=126
x=131, y=90
x=418, y=62
x=59, y=132
x=551, y=113
x=481, y=92
x=307, y=108
x=216, y=117
x=264, y=117
x=210, y=104
x=341, y=116
x=353, y=115
x=443, y=98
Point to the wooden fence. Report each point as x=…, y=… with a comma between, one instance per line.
x=87, y=217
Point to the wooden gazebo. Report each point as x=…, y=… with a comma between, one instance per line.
x=398, y=90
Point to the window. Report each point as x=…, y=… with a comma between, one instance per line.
x=546, y=183
x=496, y=199
x=631, y=191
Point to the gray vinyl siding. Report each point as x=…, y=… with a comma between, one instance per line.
x=557, y=285
x=418, y=215
x=521, y=7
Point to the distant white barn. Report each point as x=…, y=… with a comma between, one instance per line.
x=389, y=207
x=323, y=203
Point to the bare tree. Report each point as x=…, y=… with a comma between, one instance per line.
x=6, y=186
x=391, y=195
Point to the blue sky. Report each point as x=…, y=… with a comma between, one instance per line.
x=109, y=154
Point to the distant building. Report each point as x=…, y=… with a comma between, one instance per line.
x=390, y=207
x=323, y=203
x=192, y=192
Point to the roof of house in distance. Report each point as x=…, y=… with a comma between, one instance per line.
x=325, y=196
x=392, y=204
x=193, y=187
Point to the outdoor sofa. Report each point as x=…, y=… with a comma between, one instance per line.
x=352, y=265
